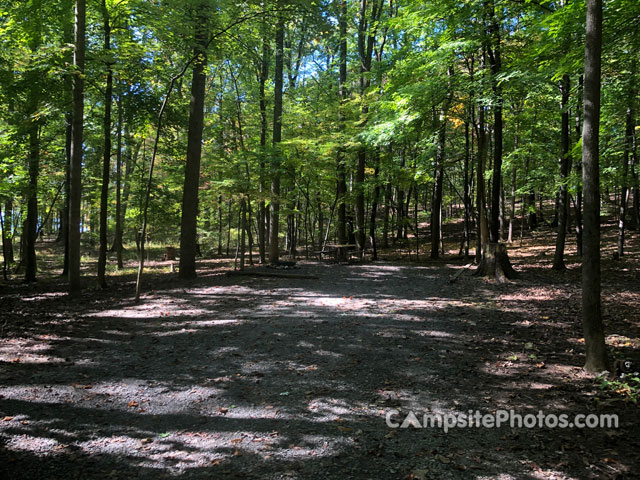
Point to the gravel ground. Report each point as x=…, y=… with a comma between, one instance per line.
x=291, y=378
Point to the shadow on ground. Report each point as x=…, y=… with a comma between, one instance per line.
x=242, y=377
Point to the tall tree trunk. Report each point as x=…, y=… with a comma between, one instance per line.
x=68, y=96
x=367, y=26
x=635, y=209
x=4, y=245
x=229, y=217
x=189, y=223
x=514, y=178
x=436, y=199
x=578, y=170
x=374, y=210
x=628, y=148
x=596, y=352
x=243, y=229
x=32, y=204
x=274, y=246
x=436, y=209
x=341, y=225
x=220, y=225
x=7, y=241
x=496, y=179
x=262, y=214
x=75, y=182
x=512, y=213
x=106, y=163
x=117, y=243
x=483, y=228
x=387, y=209
x=565, y=164
x=467, y=191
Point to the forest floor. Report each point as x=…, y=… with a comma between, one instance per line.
x=250, y=377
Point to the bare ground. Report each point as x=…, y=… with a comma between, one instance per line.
x=272, y=378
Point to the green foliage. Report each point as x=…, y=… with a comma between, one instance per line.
x=627, y=386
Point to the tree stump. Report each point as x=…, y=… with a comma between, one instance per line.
x=169, y=253
x=495, y=263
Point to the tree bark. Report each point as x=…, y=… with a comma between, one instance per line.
x=262, y=215
x=106, y=162
x=483, y=229
x=496, y=179
x=628, y=148
x=565, y=164
x=274, y=230
x=596, y=352
x=578, y=169
x=7, y=228
x=436, y=199
x=117, y=243
x=341, y=180
x=32, y=203
x=367, y=27
x=189, y=223
x=374, y=210
x=467, y=192
x=75, y=183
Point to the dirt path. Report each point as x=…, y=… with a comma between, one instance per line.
x=272, y=378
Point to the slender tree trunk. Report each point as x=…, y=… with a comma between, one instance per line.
x=117, y=243
x=436, y=202
x=387, y=209
x=467, y=191
x=7, y=229
x=367, y=26
x=274, y=246
x=4, y=245
x=341, y=225
x=565, y=165
x=229, y=217
x=220, y=225
x=106, y=163
x=635, y=209
x=189, y=223
x=243, y=229
x=32, y=204
x=628, y=148
x=496, y=179
x=75, y=182
x=596, y=352
x=483, y=229
x=578, y=170
x=262, y=214
x=374, y=210
x=436, y=209
x=512, y=213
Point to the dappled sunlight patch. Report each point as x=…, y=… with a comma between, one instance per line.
x=330, y=409
x=30, y=351
x=34, y=444
x=433, y=333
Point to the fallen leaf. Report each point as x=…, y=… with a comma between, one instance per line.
x=417, y=475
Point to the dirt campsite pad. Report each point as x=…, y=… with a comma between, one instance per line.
x=293, y=378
